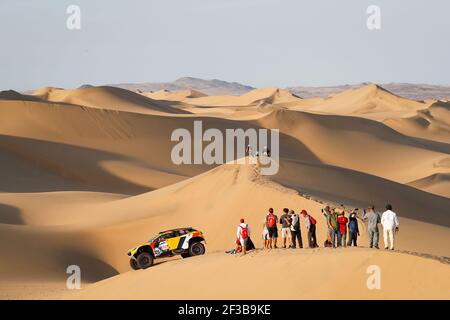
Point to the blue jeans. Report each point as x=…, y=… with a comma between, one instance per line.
x=373, y=233
x=335, y=238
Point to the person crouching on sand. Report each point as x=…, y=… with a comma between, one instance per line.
x=243, y=234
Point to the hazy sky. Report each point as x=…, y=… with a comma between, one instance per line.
x=256, y=42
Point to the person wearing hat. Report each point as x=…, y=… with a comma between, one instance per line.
x=390, y=224
x=296, y=234
x=353, y=229
x=333, y=226
x=243, y=234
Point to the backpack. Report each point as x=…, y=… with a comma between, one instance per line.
x=244, y=232
x=270, y=220
x=312, y=220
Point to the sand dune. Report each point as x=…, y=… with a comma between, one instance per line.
x=344, y=268
x=370, y=101
x=374, y=147
x=14, y=95
x=179, y=95
x=107, y=98
x=120, y=224
x=431, y=123
x=438, y=183
x=254, y=97
x=87, y=174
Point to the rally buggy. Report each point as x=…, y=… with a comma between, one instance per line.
x=186, y=242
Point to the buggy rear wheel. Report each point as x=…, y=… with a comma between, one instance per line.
x=196, y=249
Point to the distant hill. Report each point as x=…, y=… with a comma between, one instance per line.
x=219, y=87
x=406, y=90
x=210, y=87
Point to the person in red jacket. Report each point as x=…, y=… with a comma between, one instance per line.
x=342, y=221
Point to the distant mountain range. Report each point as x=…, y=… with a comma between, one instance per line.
x=210, y=87
x=220, y=87
x=406, y=90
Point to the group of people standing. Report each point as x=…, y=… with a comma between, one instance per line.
x=342, y=230
x=339, y=226
x=290, y=229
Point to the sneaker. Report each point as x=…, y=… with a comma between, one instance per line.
x=376, y=247
x=275, y=247
x=386, y=248
x=392, y=248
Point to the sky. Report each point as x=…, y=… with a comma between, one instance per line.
x=255, y=42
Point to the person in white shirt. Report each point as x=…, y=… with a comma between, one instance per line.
x=242, y=234
x=265, y=234
x=390, y=224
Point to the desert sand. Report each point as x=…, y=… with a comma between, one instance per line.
x=87, y=174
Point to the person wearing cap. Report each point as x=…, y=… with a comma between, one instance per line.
x=243, y=234
x=285, y=221
x=353, y=229
x=295, y=230
x=333, y=226
x=271, y=224
x=390, y=224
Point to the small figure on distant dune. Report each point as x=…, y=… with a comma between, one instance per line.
x=248, y=150
x=390, y=224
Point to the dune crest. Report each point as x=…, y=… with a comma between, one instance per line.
x=104, y=97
